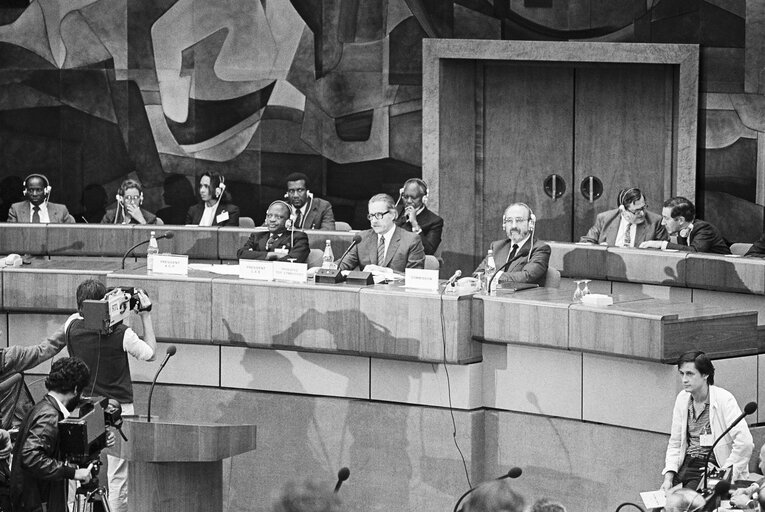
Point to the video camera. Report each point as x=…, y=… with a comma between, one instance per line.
x=102, y=315
x=82, y=435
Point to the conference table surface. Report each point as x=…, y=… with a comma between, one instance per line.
x=387, y=320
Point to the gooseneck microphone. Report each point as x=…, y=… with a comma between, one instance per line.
x=168, y=235
x=513, y=473
x=168, y=354
x=457, y=274
x=748, y=409
x=498, y=272
x=356, y=240
x=342, y=476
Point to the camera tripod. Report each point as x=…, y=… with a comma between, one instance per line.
x=91, y=497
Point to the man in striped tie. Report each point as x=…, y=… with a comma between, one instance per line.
x=385, y=245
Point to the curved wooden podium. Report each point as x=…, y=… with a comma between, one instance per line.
x=175, y=467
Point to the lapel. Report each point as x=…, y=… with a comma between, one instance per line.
x=392, y=247
x=26, y=207
x=501, y=250
x=612, y=229
x=283, y=240
x=310, y=214
x=640, y=232
x=520, y=256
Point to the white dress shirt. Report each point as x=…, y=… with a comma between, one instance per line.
x=623, y=227
x=44, y=217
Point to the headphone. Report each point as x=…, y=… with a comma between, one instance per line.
x=47, y=188
x=293, y=215
x=417, y=181
x=290, y=221
x=624, y=193
x=129, y=184
x=221, y=186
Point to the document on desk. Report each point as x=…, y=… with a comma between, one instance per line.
x=653, y=499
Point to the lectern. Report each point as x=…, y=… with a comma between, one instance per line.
x=176, y=467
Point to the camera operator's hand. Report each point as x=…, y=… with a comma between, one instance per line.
x=6, y=448
x=84, y=474
x=110, y=438
x=144, y=302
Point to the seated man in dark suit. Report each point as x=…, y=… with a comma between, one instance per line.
x=215, y=208
x=757, y=250
x=416, y=217
x=279, y=242
x=385, y=245
x=693, y=235
x=526, y=259
x=128, y=209
x=310, y=212
x=36, y=209
x=629, y=225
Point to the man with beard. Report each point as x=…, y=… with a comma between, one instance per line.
x=526, y=259
x=279, y=242
x=385, y=245
x=628, y=225
x=39, y=476
x=310, y=212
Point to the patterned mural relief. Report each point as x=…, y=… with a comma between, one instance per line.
x=93, y=91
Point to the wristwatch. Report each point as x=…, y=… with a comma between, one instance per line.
x=417, y=229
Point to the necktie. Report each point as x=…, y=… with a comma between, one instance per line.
x=36, y=215
x=628, y=236
x=381, y=251
x=298, y=216
x=512, y=253
x=270, y=242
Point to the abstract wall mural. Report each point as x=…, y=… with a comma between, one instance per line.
x=93, y=91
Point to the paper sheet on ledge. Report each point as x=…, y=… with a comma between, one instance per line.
x=216, y=268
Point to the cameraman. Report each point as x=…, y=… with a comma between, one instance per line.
x=39, y=477
x=107, y=357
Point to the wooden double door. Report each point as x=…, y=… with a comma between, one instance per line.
x=566, y=138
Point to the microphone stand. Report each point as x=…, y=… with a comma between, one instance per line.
x=139, y=244
x=748, y=407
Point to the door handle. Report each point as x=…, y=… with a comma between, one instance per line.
x=554, y=186
x=591, y=188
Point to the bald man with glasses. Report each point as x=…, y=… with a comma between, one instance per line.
x=385, y=245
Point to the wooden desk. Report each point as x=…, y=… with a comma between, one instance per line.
x=286, y=315
x=180, y=304
x=24, y=238
x=88, y=239
x=646, y=266
x=193, y=241
x=401, y=323
x=231, y=239
x=50, y=285
x=662, y=330
x=726, y=273
x=586, y=261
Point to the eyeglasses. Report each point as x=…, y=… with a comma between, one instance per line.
x=132, y=199
x=637, y=210
x=378, y=215
x=293, y=191
x=517, y=220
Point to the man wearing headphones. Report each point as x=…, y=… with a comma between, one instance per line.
x=215, y=208
x=415, y=216
x=629, y=225
x=36, y=209
x=280, y=242
x=525, y=259
x=310, y=212
x=128, y=209
x=693, y=235
x=385, y=245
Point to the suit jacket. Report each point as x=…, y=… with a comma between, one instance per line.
x=195, y=213
x=704, y=238
x=318, y=216
x=757, y=250
x=522, y=269
x=404, y=251
x=607, y=226
x=432, y=225
x=38, y=475
x=255, y=248
x=112, y=212
x=58, y=213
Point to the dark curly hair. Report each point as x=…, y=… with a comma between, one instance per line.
x=68, y=374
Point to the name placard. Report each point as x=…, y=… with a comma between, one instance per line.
x=292, y=272
x=258, y=270
x=421, y=279
x=174, y=264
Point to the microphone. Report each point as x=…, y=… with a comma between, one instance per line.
x=451, y=281
x=748, y=409
x=721, y=489
x=356, y=240
x=169, y=235
x=168, y=354
x=513, y=473
x=498, y=272
x=342, y=476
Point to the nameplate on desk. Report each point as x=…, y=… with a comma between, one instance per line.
x=292, y=272
x=421, y=279
x=174, y=264
x=259, y=270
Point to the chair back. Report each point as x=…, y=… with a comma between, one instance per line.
x=342, y=226
x=315, y=258
x=432, y=263
x=552, y=278
x=740, y=249
x=246, y=222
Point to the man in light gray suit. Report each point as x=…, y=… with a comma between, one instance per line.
x=629, y=225
x=36, y=209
